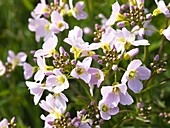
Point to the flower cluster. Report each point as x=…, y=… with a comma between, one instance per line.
x=113, y=57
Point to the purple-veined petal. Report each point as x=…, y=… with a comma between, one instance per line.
x=113, y=111
x=135, y=85
x=105, y=115
x=134, y=65
x=140, y=42
x=143, y=73
x=126, y=99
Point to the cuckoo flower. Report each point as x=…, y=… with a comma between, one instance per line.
x=48, y=48
x=135, y=72
x=81, y=70
x=107, y=38
x=42, y=9
x=40, y=26
x=97, y=77
x=125, y=38
x=57, y=82
x=162, y=8
x=58, y=24
x=78, y=45
x=53, y=106
x=18, y=59
x=115, y=16
x=77, y=11
x=166, y=33
x=28, y=70
x=43, y=69
x=107, y=109
x=36, y=89
x=115, y=94
x=4, y=123
x=2, y=68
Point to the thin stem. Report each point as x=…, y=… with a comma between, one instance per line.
x=145, y=53
x=155, y=85
x=85, y=88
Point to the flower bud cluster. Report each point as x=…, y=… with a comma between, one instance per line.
x=158, y=65
x=98, y=33
x=165, y=116
x=144, y=111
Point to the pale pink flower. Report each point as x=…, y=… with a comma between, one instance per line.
x=114, y=15
x=162, y=8
x=53, y=106
x=58, y=24
x=18, y=59
x=135, y=72
x=42, y=9
x=97, y=77
x=116, y=94
x=43, y=69
x=125, y=38
x=48, y=48
x=107, y=109
x=77, y=11
x=40, y=26
x=81, y=70
x=57, y=82
x=28, y=70
x=36, y=89
x=4, y=123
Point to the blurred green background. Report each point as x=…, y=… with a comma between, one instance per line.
x=15, y=99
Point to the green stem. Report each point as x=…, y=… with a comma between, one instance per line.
x=155, y=85
x=85, y=88
x=145, y=53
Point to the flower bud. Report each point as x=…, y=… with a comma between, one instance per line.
x=156, y=58
x=131, y=53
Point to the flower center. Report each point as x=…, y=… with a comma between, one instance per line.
x=80, y=71
x=132, y=74
x=116, y=90
x=105, y=108
x=60, y=79
x=60, y=25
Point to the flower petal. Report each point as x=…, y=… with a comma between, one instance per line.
x=135, y=85
x=143, y=73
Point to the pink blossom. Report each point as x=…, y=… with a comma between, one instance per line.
x=77, y=11
x=114, y=15
x=135, y=72
x=107, y=109
x=58, y=24
x=42, y=9
x=18, y=59
x=4, y=123
x=28, y=70
x=162, y=7
x=53, y=106
x=36, y=89
x=48, y=48
x=57, y=82
x=81, y=70
x=40, y=26
x=116, y=94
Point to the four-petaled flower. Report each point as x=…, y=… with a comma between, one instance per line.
x=135, y=72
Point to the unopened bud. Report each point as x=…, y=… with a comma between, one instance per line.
x=114, y=67
x=156, y=58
